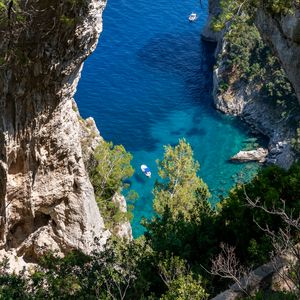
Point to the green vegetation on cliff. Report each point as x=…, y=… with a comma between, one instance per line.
x=234, y=8
x=111, y=169
x=248, y=59
x=248, y=68
x=171, y=260
x=19, y=20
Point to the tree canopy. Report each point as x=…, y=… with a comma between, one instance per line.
x=181, y=188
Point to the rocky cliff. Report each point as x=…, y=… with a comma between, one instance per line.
x=245, y=98
x=208, y=34
x=46, y=199
x=282, y=33
x=247, y=101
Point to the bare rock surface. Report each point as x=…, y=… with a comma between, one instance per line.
x=259, y=155
x=46, y=199
x=124, y=229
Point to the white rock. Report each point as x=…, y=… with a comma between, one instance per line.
x=259, y=155
x=46, y=199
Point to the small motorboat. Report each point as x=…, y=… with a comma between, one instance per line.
x=146, y=170
x=193, y=17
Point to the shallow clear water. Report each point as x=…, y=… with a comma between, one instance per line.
x=149, y=83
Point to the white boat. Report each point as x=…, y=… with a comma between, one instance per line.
x=146, y=170
x=193, y=17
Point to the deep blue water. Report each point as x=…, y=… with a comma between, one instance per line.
x=149, y=83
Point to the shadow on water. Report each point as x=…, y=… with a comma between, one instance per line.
x=186, y=55
x=139, y=178
x=150, y=146
x=127, y=182
x=196, y=132
x=177, y=132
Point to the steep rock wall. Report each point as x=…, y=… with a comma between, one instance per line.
x=46, y=198
x=282, y=33
x=208, y=34
x=245, y=99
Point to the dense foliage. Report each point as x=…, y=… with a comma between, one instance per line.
x=230, y=9
x=181, y=187
x=248, y=59
x=112, y=167
x=172, y=259
x=238, y=220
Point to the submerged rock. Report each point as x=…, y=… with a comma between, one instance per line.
x=259, y=155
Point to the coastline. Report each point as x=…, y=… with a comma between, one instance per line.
x=245, y=100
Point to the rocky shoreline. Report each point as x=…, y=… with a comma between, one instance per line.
x=245, y=101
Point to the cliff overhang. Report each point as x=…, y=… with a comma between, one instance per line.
x=46, y=198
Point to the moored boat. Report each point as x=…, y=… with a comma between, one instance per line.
x=193, y=17
x=146, y=170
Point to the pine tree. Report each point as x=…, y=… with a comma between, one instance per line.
x=181, y=188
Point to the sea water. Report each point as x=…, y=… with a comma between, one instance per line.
x=149, y=83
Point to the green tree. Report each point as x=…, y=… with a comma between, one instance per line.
x=230, y=9
x=181, y=282
x=113, y=273
x=239, y=222
x=181, y=188
x=186, y=287
x=112, y=167
x=186, y=228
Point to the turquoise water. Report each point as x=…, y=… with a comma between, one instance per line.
x=149, y=83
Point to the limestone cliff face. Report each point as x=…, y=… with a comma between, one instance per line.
x=208, y=34
x=282, y=33
x=246, y=100
x=123, y=230
x=46, y=199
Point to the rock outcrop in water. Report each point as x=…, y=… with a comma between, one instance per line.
x=258, y=155
x=46, y=198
